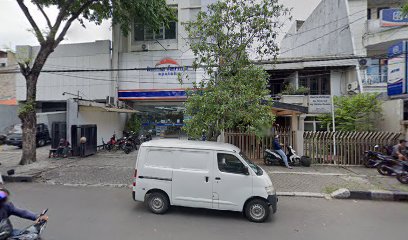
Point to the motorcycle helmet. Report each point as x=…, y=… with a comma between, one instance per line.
x=3, y=195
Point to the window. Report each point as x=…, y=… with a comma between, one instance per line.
x=192, y=160
x=313, y=124
x=3, y=64
x=377, y=71
x=159, y=158
x=229, y=163
x=368, y=13
x=145, y=33
x=318, y=82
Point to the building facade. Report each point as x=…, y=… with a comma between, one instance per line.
x=82, y=95
x=341, y=49
x=160, y=59
x=357, y=29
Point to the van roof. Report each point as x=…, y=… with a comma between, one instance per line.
x=175, y=143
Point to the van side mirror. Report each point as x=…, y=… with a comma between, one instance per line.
x=245, y=170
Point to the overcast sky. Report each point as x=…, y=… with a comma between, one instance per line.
x=14, y=26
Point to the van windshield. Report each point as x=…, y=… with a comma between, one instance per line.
x=254, y=167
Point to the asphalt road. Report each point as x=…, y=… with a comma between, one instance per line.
x=110, y=213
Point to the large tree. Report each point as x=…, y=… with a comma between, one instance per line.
x=121, y=12
x=224, y=39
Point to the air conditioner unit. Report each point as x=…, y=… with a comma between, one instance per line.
x=110, y=101
x=365, y=62
x=352, y=86
x=145, y=47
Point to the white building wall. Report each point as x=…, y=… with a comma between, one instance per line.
x=129, y=54
x=107, y=122
x=324, y=33
x=393, y=115
x=51, y=86
x=357, y=18
x=336, y=81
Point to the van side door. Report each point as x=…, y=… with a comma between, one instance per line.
x=192, y=185
x=232, y=184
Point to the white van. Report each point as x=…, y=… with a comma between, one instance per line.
x=203, y=175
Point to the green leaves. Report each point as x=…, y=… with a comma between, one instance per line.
x=134, y=123
x=355, y=113
x=223, y=39
x=237, y=102
x=121, y=12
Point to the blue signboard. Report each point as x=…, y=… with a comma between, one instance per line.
x=397, y=69
x=393, y=18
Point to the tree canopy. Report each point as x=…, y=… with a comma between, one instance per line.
x=224, y=39
x=355, y=113
x=121, y=12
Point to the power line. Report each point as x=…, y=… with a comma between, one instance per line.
x=306, y=43
x=317, y=27
x=112, y=80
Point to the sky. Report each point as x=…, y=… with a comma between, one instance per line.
x=14, y=27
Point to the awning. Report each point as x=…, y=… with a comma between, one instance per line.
x=105, y=109
x=90, y=106
x=286, y=109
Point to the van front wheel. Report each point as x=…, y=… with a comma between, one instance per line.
x=257, y=210
x=158, y=202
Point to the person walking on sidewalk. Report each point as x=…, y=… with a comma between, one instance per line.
x=277, y=147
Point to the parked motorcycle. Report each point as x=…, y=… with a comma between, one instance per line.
x=133, y=139
x=145, y=137
x=373, y=158
x=271, y=157
x=32, y=232
x=389, y=166
x=402, y=175
x=110, y=144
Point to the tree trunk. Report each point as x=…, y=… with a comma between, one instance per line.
x=27, y=112
x=29, y=122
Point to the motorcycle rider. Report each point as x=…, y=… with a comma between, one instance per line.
x=278, y=149
x=398, y=151
x=7, y=209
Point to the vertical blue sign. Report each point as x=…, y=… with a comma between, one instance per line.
x=397, y=69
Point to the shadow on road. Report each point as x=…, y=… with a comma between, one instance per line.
x=198, y=213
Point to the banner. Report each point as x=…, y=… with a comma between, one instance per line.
x=397, y=69
x=392, y=18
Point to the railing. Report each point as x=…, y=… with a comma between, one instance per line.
x=350, y=146
x=254, y=146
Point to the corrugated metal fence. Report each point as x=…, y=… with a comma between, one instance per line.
x=350, y=146
x=253, y=146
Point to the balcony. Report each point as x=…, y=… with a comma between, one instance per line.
x=376, y=34
x=375, y=80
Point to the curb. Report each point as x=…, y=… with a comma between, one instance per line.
x=17, y=178
x=371, y=195
x=303, y=194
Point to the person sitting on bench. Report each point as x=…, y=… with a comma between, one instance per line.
x=63, y=148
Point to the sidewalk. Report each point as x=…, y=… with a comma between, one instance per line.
x=327, y=179
x=116, y=170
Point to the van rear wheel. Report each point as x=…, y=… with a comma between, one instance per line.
x=257, y=210
x=158, y=202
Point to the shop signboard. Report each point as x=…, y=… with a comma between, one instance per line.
x=393, y=18
x=397, y=69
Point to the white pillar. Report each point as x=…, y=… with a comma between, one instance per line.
x=72, y=116
x=299, y=135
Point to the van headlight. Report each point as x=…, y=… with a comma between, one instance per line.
x=270, y=190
